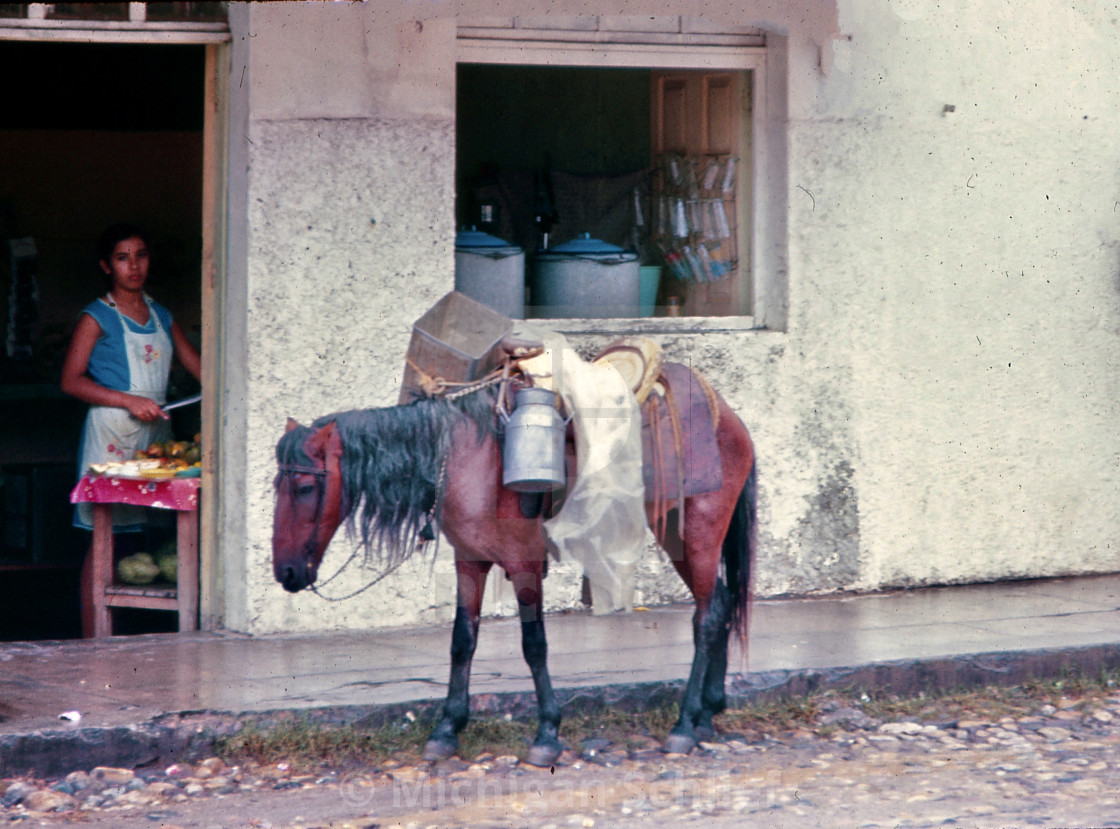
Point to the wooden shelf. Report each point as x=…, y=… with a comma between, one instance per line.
x=101, y=594
x=147, y=598
x=157, y=592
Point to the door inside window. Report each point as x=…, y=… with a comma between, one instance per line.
x=696, y=130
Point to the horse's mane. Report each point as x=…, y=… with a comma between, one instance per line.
x=391, y=462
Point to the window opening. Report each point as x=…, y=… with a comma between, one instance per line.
x=642, y=159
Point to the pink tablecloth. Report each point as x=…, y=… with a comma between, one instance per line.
x=176, y=493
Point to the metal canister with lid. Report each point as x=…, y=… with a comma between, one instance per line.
x=585, y=278
x=533, y=443
x=491, y=271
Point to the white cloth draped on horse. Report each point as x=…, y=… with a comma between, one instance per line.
x=602, y=524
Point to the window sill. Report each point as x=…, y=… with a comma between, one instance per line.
x=651, y=325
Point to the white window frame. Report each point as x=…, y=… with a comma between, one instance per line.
x=489, y=42
x=137, y=29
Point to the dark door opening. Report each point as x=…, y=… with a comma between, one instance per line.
x=90, y=134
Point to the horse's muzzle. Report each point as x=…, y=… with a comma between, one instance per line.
x=293, y=578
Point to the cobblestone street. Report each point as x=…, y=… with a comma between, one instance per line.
x=1044, y=765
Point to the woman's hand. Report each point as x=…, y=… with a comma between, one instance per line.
x=144, y=409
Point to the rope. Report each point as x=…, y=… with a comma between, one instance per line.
x=437, y=386
x=491, y=379
x=314, y=589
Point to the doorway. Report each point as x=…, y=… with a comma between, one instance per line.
x=90, y=134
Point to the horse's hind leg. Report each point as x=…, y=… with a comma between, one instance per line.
x=546, y=745
x=703, y=694
x=697, y=562
x=713, y=697
x=444, y=740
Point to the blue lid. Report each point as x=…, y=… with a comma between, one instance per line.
x=474, y=238
x=584, y=246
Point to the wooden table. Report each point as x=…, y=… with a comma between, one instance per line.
x=99, y=593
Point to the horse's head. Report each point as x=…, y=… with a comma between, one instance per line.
x=310, y=502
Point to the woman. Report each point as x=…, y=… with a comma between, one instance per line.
x=119, y=361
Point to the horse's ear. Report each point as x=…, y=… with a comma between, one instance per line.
x=322, y=441
x=291, y=424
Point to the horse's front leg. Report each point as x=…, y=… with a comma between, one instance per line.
x=444, y=740
x=546, y=745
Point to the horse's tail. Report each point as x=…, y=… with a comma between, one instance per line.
x=738, y=553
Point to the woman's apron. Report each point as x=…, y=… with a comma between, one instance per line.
x=112, y=434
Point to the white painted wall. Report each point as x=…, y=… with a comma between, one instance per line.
x=942, y=405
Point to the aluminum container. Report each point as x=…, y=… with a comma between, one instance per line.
x=490, y=271
x=585, y=279
x=533, y=444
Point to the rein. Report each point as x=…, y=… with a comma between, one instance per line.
x=314, y=588
x=428, y=532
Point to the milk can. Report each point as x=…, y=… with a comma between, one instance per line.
x=533, y=452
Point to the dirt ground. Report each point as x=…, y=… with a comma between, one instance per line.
x=892, y=776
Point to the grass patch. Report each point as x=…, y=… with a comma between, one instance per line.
x=303, y=744
x=784, y=714
x=988, y=703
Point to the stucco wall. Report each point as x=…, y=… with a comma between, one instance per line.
x=973, y=257
x=942, y=405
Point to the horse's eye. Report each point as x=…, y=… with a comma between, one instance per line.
x=306, y=490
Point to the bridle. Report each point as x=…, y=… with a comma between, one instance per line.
x=309, y=548
x=321, y=496
x=427, y=533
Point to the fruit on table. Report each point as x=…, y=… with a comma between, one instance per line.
x=173, y=454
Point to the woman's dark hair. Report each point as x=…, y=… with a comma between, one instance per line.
x=115, y=234
x=112, y=236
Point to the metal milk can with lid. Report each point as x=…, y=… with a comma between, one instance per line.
x=533, y=451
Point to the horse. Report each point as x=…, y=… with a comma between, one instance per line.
x=400, y=473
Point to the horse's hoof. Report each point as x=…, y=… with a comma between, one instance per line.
x=678, y=744
x=542, y=755
x=439, y=749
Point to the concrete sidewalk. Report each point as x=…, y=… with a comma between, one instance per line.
x=150, y=698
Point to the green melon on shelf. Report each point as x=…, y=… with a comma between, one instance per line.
x=138, y=568
x=167, y=559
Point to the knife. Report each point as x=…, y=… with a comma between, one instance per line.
x=186, y=401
